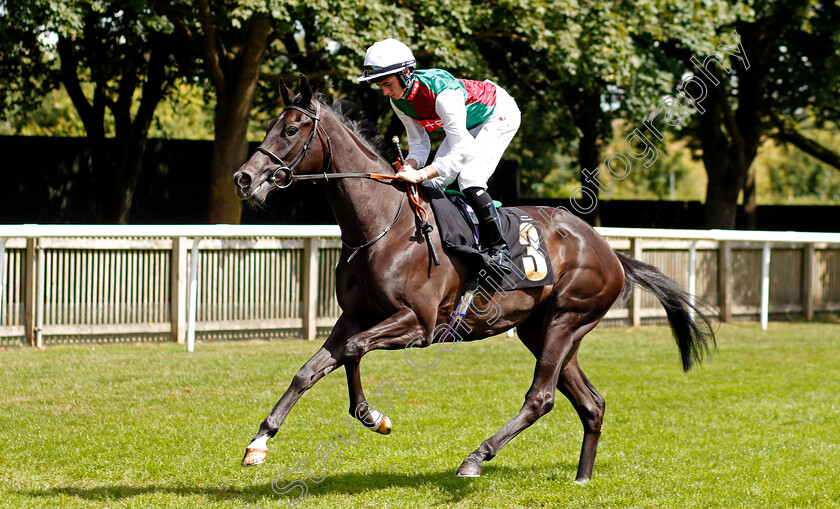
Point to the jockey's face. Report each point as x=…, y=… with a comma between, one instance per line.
x=391, y=87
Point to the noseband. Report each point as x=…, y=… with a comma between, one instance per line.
x=288, y=169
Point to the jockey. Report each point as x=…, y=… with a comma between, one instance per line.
x=479, y=120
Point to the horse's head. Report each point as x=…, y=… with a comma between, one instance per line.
x=289, y=147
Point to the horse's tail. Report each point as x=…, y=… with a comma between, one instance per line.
x=692, y=336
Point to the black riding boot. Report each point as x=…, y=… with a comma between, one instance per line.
x=490, y=228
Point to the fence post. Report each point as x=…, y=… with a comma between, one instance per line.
x=808, y=276
x=40, y=305
x=765, y=285
x=725, y=280
x=31, y=292
x=635, y=308
x=310, y=287
x=3, y=300
x=692, y=276
x=178, y=289
x=192, y=295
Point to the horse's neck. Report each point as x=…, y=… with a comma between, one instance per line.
x=362, y=207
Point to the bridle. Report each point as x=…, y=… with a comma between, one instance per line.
x=288, y=169
x=291, y=177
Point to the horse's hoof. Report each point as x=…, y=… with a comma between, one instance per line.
x=469, y=469
x=254, y=457
x=384, y=426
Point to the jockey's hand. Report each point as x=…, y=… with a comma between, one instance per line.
x=409, y=174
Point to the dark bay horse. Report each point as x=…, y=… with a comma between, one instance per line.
x=392, y=296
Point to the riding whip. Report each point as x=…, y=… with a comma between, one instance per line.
x=425, y=227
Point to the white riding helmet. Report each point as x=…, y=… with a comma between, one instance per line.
x=385, y=58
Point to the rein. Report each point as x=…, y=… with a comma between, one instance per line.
x=291, y=177
x=335, y=176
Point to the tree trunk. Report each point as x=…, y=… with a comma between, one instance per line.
x=750, y=205
x=230, y=149
x=721, y=199
x=720, y=160
x=588, y=158
x=730, y=141
x=751, y=109
x=131, y=162
x=586, y=114
x=235, y=85
x=117, y=162
x=111, y=173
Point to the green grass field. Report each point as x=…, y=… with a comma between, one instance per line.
x=153, y=426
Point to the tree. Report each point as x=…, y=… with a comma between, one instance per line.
x=229, y=39
x=790, y=72
x=115, y=61
x=580, y=66
x=248, y=46
x=807, y=71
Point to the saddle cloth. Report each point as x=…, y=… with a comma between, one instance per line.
x=531, y=264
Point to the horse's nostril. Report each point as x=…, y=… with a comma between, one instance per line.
x=242, y=179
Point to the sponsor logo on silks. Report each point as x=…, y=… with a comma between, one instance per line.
x=414, y=88
x=431, y=124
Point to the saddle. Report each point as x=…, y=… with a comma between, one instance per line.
x=458, y=229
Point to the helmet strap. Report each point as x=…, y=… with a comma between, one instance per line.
x=404, y=78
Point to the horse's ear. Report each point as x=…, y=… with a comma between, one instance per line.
x=285, y=93
x=305, y=91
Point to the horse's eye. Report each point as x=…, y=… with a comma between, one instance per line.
x=291, y=130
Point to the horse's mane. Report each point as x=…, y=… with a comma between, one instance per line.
x=353, y=118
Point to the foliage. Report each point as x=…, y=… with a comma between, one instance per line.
x=804, y=77
x=23, y=59
x=786, y=175
x=574, y=67
x=781, y=91
x=116, y=60
x=801, y=176
x=674, y=160
x=185, y=113
x=148, y=425
x=54, y=115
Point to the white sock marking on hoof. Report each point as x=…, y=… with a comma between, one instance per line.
x=377, y=417
x=259, y=443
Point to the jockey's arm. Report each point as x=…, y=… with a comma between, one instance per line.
x=419, y=144
x=451, y=108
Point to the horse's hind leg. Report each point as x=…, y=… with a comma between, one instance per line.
x=590, y=407
x=560, y=336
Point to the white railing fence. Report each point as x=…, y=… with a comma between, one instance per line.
x=157, y=283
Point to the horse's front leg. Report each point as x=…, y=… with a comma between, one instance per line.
x=328, y=358
x=395, y=332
